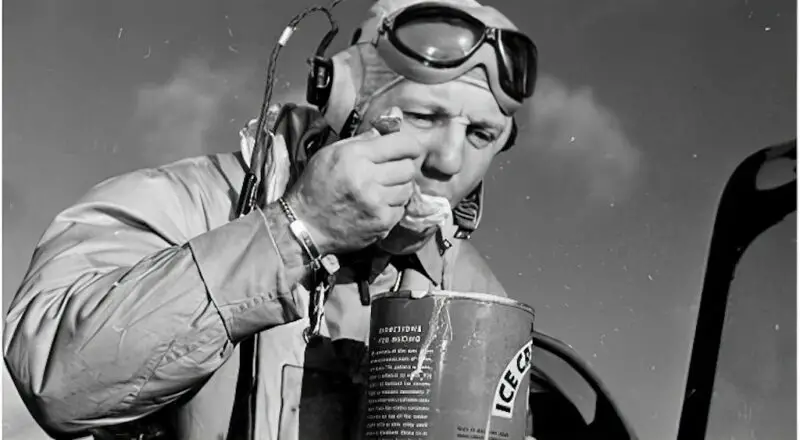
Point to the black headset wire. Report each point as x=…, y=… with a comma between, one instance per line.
x=251, y=186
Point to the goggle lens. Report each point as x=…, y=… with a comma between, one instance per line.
x=438, y=38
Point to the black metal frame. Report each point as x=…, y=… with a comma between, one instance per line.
x=744, y=213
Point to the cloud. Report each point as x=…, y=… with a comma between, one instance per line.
x=576, y=134
x=177, y=117
x=200, y=109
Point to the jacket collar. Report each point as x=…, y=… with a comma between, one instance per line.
x=369, y=263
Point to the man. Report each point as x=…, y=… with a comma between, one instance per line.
x=138, y=295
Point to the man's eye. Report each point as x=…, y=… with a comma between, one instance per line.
x=480, y=138
x=421, y=120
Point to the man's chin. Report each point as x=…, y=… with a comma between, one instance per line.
x=403, y=241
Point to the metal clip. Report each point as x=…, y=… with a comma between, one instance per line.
x=316, y=311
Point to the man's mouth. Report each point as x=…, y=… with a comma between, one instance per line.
x=431, y=192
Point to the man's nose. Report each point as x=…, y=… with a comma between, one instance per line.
x=445, y=156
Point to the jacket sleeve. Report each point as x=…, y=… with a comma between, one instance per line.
x=122, y=310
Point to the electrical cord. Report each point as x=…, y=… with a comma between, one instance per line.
x=247, y=381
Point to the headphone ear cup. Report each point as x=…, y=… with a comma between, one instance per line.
x=512, y=137
x=343, y=83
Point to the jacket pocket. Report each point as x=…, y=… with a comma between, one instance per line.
x=318, y=404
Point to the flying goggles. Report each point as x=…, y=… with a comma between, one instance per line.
x=434, y=43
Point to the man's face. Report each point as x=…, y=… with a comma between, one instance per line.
x=462, y=129
x=460, y=126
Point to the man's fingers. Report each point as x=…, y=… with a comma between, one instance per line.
x=365, y=136
x=397, y=214
x=395, y=173
x=397, y=196
x=369, y=134
x=391, y=147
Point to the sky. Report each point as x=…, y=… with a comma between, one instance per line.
x=599, y=218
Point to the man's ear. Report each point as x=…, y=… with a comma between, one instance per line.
x=512, y=137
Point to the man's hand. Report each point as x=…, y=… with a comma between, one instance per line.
x=352, y=193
